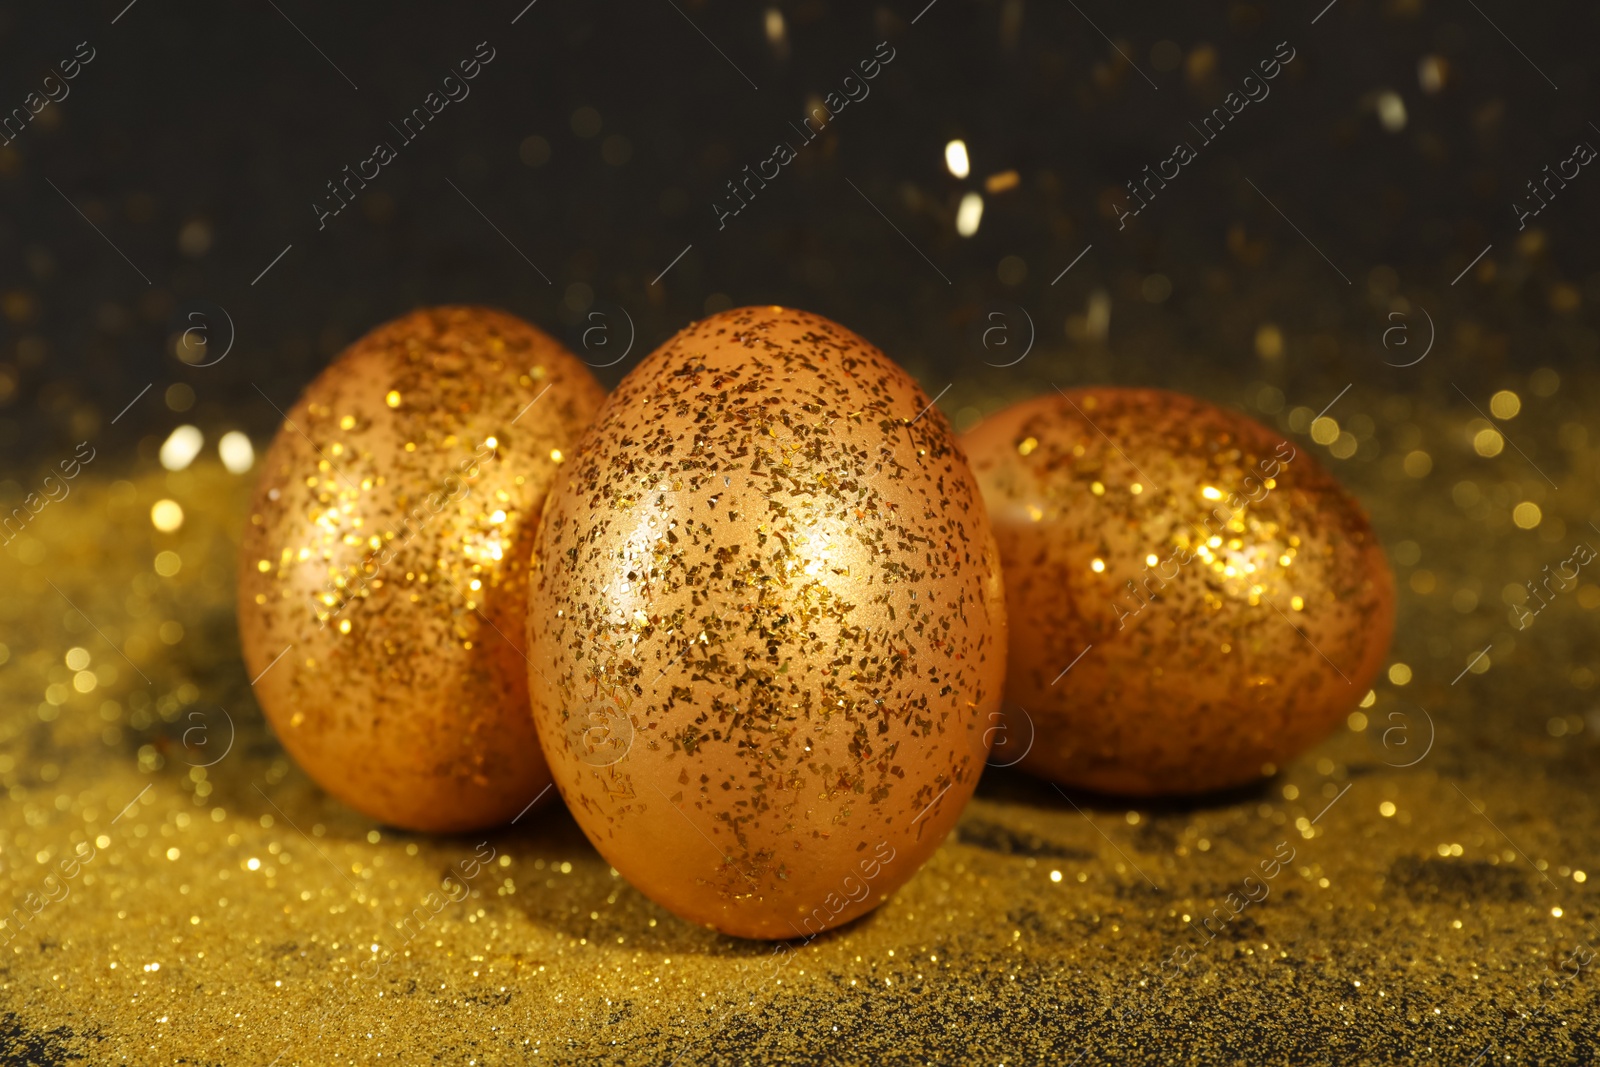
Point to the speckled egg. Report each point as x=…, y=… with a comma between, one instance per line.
x=766, y=629
x=1193, y=598
x=383, y=572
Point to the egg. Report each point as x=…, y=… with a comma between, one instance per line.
x=766, y=630
x=383, y=572
x=1194, y=600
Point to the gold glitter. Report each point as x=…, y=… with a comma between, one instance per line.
x=1505, y=404
x=166, y=515
x=393, y=398
x=1269, y=341
x=518, y=971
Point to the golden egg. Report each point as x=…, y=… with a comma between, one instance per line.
x=383, y=573
x=1193, y=599
x=766, y=628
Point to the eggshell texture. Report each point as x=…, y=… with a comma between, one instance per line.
x=383, y=573
x=766, y=629
x=1235, y=597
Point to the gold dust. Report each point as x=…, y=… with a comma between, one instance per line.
x=1505, y=404
x=166, y=515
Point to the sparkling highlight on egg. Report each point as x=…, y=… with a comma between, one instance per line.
x=766, y=629
x=382, y=576
x=1194, y=600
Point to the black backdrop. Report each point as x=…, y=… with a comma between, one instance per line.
x=200, y=136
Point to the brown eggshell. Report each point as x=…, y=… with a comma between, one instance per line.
x=383, y=580
x=1202, y=674
x=766, y=628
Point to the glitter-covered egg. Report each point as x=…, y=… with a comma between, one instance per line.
x=1193, y=599
x=766, y=629
x=383, y=571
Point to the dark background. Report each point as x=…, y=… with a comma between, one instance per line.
x=201, y=134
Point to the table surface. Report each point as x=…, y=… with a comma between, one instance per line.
x=1432, y=907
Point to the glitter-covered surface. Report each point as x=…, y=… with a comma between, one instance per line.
x=766, y=633
x=383, y=574
x=227, y=911
x=1195, y=599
